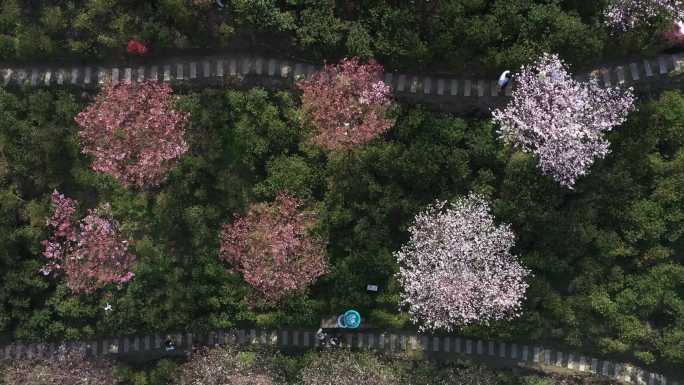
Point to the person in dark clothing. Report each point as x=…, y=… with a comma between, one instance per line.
x=169, y=345
x=334, y=342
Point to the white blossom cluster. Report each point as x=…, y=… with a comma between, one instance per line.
x=457, y=268
x=560, y=120
x=626, y=14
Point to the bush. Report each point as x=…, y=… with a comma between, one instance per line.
x=287, y=173
x=10, y=16
x=163, y=372
x=359, y=42
x=32, y=43
x=6, y=47
x=319, y=28
x=53, y=19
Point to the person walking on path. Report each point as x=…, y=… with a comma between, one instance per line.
x=169, y=345
x=504, y=79
x=334, y=342
x=136, y=47
x=321, y=336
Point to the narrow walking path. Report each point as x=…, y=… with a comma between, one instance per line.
x=500, y=353
x=449, y=94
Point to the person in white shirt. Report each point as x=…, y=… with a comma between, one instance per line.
x=504, y=79
x=321, y=336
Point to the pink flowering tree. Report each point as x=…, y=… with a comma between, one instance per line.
x=674, y=35
x=133, y=132
x=560, y=120
x=457, y=268
x=223, y=365
x=65, y=367
x=346, y=104
x=626, y=14
x=91, y=253
x=273, y=248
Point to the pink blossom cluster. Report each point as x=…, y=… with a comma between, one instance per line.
x=674, y=35
x=133, y=132
x=626, y=14
x=273, y=248
x=560, y=120
x=457, y=268
x=64, y=231
x=346, y=104
x=92, y=254
x=66, y=367
x=222, y=365
x=376, y=94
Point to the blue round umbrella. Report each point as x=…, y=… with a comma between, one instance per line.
x=352, y=319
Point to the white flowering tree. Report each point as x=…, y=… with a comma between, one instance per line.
x=623, y=15
x=561, y=120
x=457, y=268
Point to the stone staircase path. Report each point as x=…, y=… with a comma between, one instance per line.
x=502, y=353
x=236, y=70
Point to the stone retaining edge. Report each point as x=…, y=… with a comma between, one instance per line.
x=190, y=70
x=386, y=341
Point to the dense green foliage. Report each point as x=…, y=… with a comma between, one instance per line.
x=451, y=35
x=607, y=257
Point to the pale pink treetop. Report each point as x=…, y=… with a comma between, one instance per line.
x=626, y=14
x=457, y=268
x=66, y=367
x=560, y=120
x=64, y=231
x=675, y=35
x=346, y=104
x=133, y=132
x=273, y=248
x=92, y=253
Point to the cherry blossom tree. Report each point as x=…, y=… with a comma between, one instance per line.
x=626, y=14
x=273, y=248
x=133, y=132
x=91, y=253
x=346, y=104
x=223, y=365
x=457, y=268
x=675, y=35
x=67, y=366
x=347, y=368
x=560, y=120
